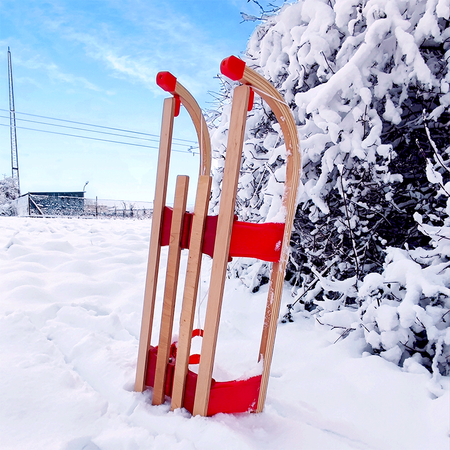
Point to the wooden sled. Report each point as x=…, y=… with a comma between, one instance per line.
x=166, y=367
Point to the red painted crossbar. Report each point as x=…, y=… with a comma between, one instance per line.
x=251, y=240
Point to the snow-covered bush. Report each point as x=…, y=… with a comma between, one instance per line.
x=405, y=311
x=9, y=191
x=368, y=84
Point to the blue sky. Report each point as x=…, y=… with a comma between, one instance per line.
x=95, y=62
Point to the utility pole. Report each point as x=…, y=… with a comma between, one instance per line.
x=12, y=126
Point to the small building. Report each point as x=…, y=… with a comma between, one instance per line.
x=51, y=204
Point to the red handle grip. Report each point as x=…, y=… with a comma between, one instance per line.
x=233, y=68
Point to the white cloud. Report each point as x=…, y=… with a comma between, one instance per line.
x=145, y=41
x=55, y=73
x=133, y=40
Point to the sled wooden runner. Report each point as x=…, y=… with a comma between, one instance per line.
x=237, y=70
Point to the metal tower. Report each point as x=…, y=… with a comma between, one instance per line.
x=12, y=125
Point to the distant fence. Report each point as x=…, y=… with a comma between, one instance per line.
x=117, y=208
x=68, y=204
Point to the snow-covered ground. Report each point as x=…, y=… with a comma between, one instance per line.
x=70, y=313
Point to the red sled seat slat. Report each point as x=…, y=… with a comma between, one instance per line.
x=249, y=240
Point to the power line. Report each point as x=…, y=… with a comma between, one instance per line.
x=97, y=126
x=94, y=131
x=98, y=139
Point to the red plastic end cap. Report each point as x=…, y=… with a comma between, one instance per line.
x=233, y=68
x=166, y=81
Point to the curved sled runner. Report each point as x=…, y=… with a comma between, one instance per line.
x=166, y=367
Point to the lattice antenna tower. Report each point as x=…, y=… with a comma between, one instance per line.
x=12, y=126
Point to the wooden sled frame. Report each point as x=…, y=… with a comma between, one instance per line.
x=183, y=383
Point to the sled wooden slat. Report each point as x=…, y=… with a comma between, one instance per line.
x=155, y=237
x=170, y=291
x=190, y=290
x=221, y=247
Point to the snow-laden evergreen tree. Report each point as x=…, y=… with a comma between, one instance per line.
x=368, y=84
x=9, y=192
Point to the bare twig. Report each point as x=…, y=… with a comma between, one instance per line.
x=352, y=237
x=435, y=149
